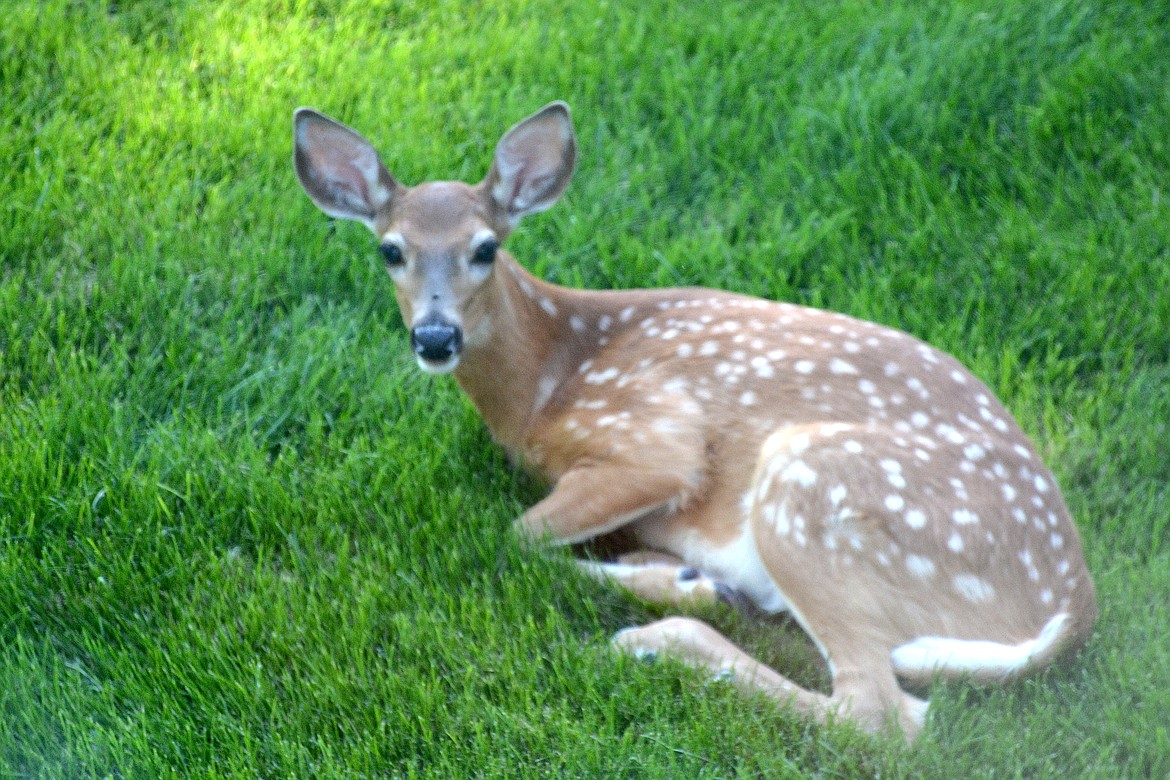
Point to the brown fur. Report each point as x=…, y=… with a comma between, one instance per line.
x=843, y=470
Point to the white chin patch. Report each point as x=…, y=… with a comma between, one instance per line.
x=446, y=367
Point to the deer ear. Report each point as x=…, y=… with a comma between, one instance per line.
x=533, y=163
x=339, y=169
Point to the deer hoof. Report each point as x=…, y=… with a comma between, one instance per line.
x=736, y=599
x=624, y=642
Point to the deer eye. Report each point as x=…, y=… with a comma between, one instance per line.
x=485, y=253
x=392, y=254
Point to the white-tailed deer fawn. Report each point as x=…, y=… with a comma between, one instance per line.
x=838, y=469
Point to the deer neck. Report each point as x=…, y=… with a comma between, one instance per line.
x=521, y=352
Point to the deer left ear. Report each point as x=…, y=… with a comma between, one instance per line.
x=339, y=169
x=533, y=163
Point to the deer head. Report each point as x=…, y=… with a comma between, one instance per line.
x=439, y=239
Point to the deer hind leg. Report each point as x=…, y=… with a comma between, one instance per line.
x=864, y=689
x=822, y=548
x=701, y=646
x=842, y=518
x=662, y=578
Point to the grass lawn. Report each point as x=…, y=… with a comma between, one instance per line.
x=242, y=536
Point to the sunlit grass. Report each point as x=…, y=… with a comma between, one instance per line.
x=241, y=535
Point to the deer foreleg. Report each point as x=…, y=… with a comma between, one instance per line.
x=589, y=501
x=665, y=580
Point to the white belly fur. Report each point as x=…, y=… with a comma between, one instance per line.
x=736, y=564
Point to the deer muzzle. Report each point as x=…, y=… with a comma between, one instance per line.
x=436, y=344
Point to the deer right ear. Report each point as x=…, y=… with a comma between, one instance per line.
x=533, y=163
x=339, y=169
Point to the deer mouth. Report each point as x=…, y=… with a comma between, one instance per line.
x=437, y=367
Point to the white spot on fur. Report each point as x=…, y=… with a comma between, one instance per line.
x=799, y=444
x=601, y=377
x=975, y=589
x=964, y=517
x=837, y=494
x=777, y=519
x=799, y=472
x=1025, y=557
x=666, y=426
x=839, y=366
x=920, y=566
x=950, y=433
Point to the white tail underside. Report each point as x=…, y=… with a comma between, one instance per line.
x=931, y=655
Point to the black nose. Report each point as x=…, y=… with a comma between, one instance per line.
x=436, y=340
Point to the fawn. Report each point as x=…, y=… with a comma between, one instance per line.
x=838, y=469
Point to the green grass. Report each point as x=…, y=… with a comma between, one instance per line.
x=242, y=536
